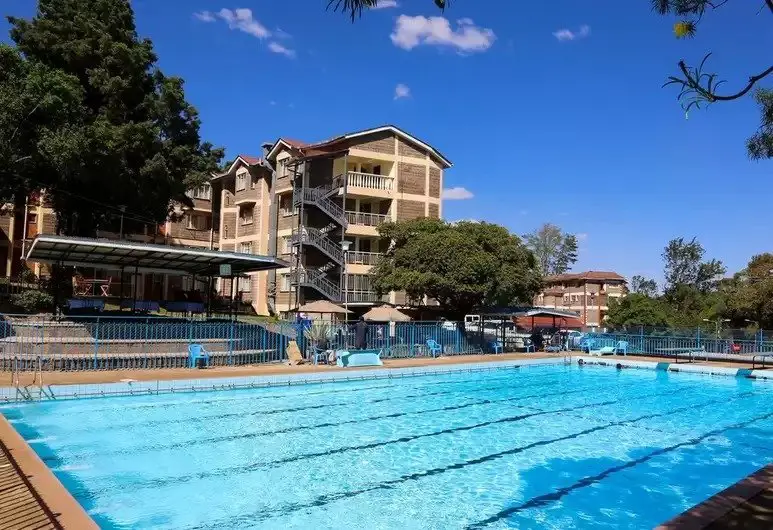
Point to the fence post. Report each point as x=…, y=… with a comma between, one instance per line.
x=641, y=338
x=698, y=338
x=96, y=343
x=231, y=342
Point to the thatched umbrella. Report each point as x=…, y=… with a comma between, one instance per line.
x=386, y=313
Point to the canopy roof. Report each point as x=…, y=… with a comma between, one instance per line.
x=322, y=307
x=386, y=313
x=113, y=254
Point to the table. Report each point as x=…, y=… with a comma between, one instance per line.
x=677, y=351
x=86, y=303
x=141, y=305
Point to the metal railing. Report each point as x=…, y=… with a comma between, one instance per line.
x=366, y=219
x=114, y=343
x=318, y=197
x=313, y=236
x=354, y=297
x=355, y=179
x=318, y=280
x=363, y=258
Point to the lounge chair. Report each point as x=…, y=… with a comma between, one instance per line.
x=434, y=348
x=346, y=358
x=196, y=353
x=294, y=353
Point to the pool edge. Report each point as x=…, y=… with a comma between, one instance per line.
x=43, y=484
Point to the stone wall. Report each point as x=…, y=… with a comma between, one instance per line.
x=411, y=178
x=409, y=210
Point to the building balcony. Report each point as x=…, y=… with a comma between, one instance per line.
x=362, y=258
x=364, y=224
x=364, y=297
x=367, y=184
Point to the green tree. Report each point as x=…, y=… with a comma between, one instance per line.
x=464, y=265
x=555, y=251
x=699, y=87
x=355, y=7
x=637, y=309
x=645, y=286
x=129, y=138
x=750, y=293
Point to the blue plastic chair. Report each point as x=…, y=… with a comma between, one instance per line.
x=622, y=347
x=196, y=352
x=496, y=346
x=434, y=347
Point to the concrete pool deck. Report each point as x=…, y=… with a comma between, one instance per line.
x=36, y=498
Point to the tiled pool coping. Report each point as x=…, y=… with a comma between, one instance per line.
x=135, y=388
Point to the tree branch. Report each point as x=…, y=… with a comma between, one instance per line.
x=709, y=94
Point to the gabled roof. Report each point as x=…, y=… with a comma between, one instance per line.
x=246, y=160
x=587, y=275
x=330, y=144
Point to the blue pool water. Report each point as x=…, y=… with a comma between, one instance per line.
x=549, y=447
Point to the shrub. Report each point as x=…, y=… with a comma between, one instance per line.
x=33, y=301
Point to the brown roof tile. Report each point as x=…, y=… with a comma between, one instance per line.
x=587, y=275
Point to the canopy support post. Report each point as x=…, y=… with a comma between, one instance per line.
x=136, y=281
x=120, y=296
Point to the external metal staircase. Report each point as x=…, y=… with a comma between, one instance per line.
x=317, y=279
x=315, y=237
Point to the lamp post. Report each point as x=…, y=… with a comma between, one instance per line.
x=718, y=323
x=345, y=247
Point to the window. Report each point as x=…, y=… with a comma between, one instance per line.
x=287, y=246
x=285, y=283
x=286, y=205
x=575, y=298
x=245, y=215
x=241, y=181
x=202, y=192
x=253, y=183
x=245, y=248
x=245, y=284
x=197, y=222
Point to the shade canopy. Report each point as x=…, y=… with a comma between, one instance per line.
x=323, y=307
x=166, y=259
x=386, y=313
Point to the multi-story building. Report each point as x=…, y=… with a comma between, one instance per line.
x=317, y=206
x=586, y=293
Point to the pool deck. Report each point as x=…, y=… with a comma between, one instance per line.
x=32, y=497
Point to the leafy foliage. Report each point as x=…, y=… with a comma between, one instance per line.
x=645, y=286
x=355, y=7
x=99, y=122
x=760, y=145
x=555, y=251
x=33, y=301
x=639, y=310
x=462, y=265
x=684, y=266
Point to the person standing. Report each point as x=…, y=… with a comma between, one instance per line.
x=361, y=334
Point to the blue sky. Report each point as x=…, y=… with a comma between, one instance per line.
x=550, y=111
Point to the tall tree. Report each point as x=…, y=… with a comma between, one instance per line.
x=684, y=266
x=555, y=251
x=750, y=295
x=130, y=137
x=698, y=87
x=464, y=265
x=637, y=309
x=644, y=286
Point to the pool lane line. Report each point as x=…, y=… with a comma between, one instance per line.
x=323, y=500
x=242, y=469
x=202, y=419
x=549, y=498
x=243, y=436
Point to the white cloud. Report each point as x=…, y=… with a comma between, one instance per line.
x=410, y=32
x=242, y=20
x=457, y=194
x=278, y=48
x=205, y=16
x=402, y=91
x=385, y=4
x=279, y=33
x=566, y=34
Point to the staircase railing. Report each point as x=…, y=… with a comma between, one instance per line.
x=318, y=280
x=308, y=235
x=318, y=197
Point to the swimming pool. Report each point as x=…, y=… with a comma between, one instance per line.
x=553, y=446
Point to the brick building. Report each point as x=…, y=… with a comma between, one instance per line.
x=586, y=293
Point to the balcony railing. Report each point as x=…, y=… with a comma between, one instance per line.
x=363, y=296
x=356, y=179
x=362, y=258
x=366, y=219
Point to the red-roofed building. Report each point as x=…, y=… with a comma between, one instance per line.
x=587, y=293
